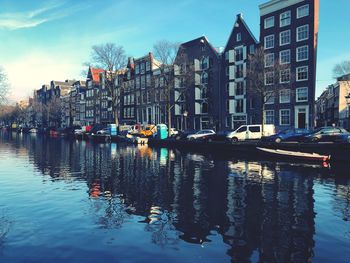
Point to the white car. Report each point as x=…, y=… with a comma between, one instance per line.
x=200, y=134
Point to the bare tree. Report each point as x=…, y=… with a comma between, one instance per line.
x=4, y=86
x=54, y=111
x=266, y=77
x=172, y=68
x=111, y=58
x=341, y=69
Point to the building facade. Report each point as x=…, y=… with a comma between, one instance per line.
x=240, y=102
x=288, y=32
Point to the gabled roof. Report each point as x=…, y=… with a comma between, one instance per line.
x=95, y=73
x=240, y=21
x=202, y=39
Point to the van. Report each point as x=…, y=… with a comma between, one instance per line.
x=251, y=132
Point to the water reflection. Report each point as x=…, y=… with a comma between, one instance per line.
x=262, y=210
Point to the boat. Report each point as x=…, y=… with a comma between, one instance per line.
x=297, y=155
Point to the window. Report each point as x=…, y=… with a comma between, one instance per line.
x=285, y=96
x=303, y=11
x=239, y=71
x=285, y=19
x=302, y=53
x=302, y=94
x=269, y=116
x=269, y=97
x=204, y=107
x=204, y=78
x=239, y=106
x=148, y=66
x=285, y=75
x=254, y=128
x=285, y=38
x=269, y=60
x=238, y=37
x=148, y=80
x=251, y=49
x=226, y=55
x=137, y=69
x=205, y=63
x=239, y=88
x=284, y=117
x=269, y=78
x=269, y=22
x=302, y=32
x=269, y=41
x=239, y=54
x=242, y=129
x=302, y=73
x=285, y=57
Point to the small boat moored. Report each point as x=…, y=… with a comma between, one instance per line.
x=297, y=155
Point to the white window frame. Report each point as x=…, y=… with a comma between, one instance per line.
x=297, y=53
x=272, y=115
x=307, y=35
x=269, y=19
x=286, y=51
x=238, y=37
x=301, y=8
x=280, y=117
x=307, y=94
x=273, y=41
x=281, y=44
x=285, y=99
x=307, y=73
x=290, y=18
x=266, y=59
x=266, y=78
x=281, y=76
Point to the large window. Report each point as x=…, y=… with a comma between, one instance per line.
x=285, y=19
x=302, y=73
x=269, y=41
x=269, y=97
x=239, y=54
x=205, y=63
x=269, y=78
x=204, y=78
x=269, y=22
x=239, y=88
x=303, y=32
x=302, y=53
x=269, y=60
x=239, y=71
x=285, y=96
x=239, y=106
x=303, y=11
x=285, y=75
x=269, y=117
x=302, y=94
x=285, y=57
x=285, y=38
x=285, y=117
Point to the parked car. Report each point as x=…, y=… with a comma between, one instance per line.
x=104, y=131
x=200, y=134
x=219, y=136
x=293, y=134
x=182, y=135
x=249, y=132
x=328, y=134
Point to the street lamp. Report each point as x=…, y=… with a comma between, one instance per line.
x=185, y=113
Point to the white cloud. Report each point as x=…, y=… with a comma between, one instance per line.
x=30, y=72
x=33, y=18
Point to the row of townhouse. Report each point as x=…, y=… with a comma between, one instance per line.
x=209, y=87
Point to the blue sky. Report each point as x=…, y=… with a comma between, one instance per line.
x=46, y=40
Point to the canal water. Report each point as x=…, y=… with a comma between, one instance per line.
x=73, y=201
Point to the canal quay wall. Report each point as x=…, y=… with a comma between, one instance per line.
x=339, y=152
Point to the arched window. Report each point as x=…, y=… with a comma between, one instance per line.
x=204, y=92
x=205, y=108
x=204, y=78
x=205, y=63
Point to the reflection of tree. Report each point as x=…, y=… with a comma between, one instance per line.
x=4, y=229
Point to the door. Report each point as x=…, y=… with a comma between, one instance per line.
x=301, y=120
